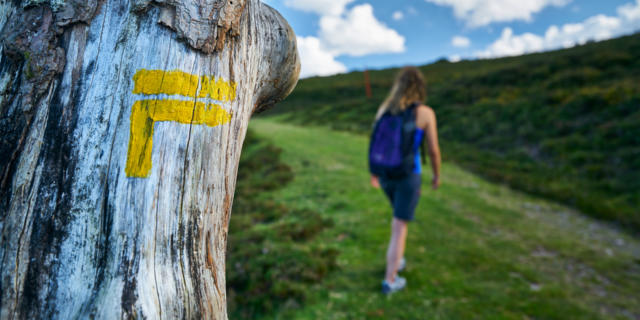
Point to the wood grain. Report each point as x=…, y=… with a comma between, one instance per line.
x=80, y=239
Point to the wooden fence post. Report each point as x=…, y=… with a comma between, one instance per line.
x=367, y=84
x=121, y=125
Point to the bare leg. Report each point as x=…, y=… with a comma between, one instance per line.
x=396, y=248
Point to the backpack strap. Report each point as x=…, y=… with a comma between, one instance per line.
x=414, y=108
x=422, y=147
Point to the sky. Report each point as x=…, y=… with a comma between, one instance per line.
x=337, y=36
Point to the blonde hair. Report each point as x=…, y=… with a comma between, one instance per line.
x=409, y=87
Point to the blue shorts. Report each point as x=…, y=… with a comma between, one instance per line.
x=404, y=195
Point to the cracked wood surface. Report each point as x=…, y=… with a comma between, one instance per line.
x=82, y=238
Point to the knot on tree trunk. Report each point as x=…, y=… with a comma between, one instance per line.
x=205, y=25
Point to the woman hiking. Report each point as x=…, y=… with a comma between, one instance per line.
x=403, y=125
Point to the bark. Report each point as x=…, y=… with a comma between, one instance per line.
x=121, y=125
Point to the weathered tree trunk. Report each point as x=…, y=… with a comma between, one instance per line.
x=121, y=125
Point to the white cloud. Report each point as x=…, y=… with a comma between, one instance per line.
x=478, y=13
x=600, y=27
x=631, y=12
x=359, y=33
x=510, y=45
x=454, y=58
x=316, y=61
x=354, y=32
x=460, y=42
x=398, y=15
x=321, y=7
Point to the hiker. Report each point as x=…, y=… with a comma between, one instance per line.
x=403, y=126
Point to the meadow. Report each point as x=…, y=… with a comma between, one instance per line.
x=537, y=216
x=308, y=236
x=564, y=125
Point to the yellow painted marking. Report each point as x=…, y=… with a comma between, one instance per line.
x=217, y=89
x=146, y=113
x=151, y=82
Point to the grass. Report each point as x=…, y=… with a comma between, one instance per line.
x=477, y=250
x=562, y=124
x=272, y=258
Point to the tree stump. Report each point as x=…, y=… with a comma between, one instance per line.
x=121, y=125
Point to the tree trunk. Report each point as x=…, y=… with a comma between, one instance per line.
x=121, y=125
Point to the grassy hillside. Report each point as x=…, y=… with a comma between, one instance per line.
x=563, y=124
x=476, y=250
x=272, y=257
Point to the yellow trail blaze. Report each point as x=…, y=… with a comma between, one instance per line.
x=146, y=113
x=151, y=82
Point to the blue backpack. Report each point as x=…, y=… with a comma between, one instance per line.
x=391, y=150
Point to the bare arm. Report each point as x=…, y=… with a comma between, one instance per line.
x=375, y=182
x=427, y=121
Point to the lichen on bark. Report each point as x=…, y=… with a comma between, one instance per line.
x=30, y=38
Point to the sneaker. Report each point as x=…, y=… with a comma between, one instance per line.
x=403, y=264
x=396, y=285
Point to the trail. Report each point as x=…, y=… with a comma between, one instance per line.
x=476, y=250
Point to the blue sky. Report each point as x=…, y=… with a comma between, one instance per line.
x=336, y=36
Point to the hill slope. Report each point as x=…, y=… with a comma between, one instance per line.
x=563, y=124
x=476, y=250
